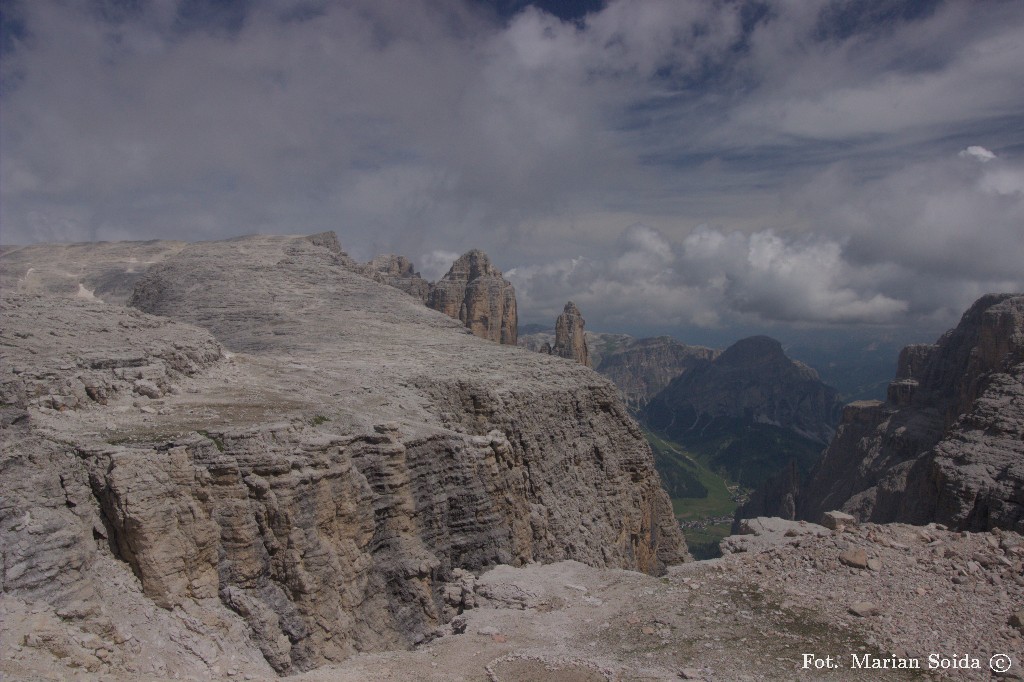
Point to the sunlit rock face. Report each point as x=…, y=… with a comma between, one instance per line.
x=475, y=292
x=570, y=335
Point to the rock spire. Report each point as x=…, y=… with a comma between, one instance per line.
x=475, y=292
x=570, y=338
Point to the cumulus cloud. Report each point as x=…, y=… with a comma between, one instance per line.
x=820, y=139
x=714, y=278
x=977, y=152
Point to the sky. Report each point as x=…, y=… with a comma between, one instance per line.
x=692, y=167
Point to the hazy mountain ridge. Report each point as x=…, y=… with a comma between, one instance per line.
x=638, y=367
x=748, y=411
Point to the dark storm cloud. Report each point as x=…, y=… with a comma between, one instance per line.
x=659, y=162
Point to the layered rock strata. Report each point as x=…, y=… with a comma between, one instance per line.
x=946, y=444
x=474, y=292
x=283, y=462
x=398, y=272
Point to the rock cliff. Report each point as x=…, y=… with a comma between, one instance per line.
x=282, y=462
x=475, y=292
x=398, y=272
x=570, y=336
x=946, y=444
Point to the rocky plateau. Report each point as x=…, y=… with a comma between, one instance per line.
x=269, y=462
x=258, y=458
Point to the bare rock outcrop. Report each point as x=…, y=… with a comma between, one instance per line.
x=475, y=292
x=570, y=336
x=946, y=445
x=314, y=465
x=105, y=271
x=398, y=272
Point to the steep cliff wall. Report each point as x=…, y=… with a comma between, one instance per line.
x=946, y=445
x=300, y=465
x=475, y=292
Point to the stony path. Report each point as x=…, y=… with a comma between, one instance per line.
x=752, y=615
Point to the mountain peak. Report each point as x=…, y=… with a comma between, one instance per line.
x=753, y=350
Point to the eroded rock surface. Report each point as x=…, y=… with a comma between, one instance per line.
x=570, y=336
x=106, y=271
x=398, y=272
x=946, y=445
x=474, y=292
x=288, y=464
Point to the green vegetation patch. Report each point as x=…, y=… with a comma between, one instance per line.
x=217, y=441
x=740, y=450
x=713, y=496
x=703, y=541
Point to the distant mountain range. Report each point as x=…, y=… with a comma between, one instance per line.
x=748, y=412
x=639, y=367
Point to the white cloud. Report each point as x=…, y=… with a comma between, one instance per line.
x=821, y=148
x=977, y=152
x=710, y=279
x=435, y=264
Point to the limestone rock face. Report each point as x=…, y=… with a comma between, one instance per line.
x=106, y=271
x=474, y=292
x=570, y=338
x=946, y=445
x=312, y=464
x=398, y=272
